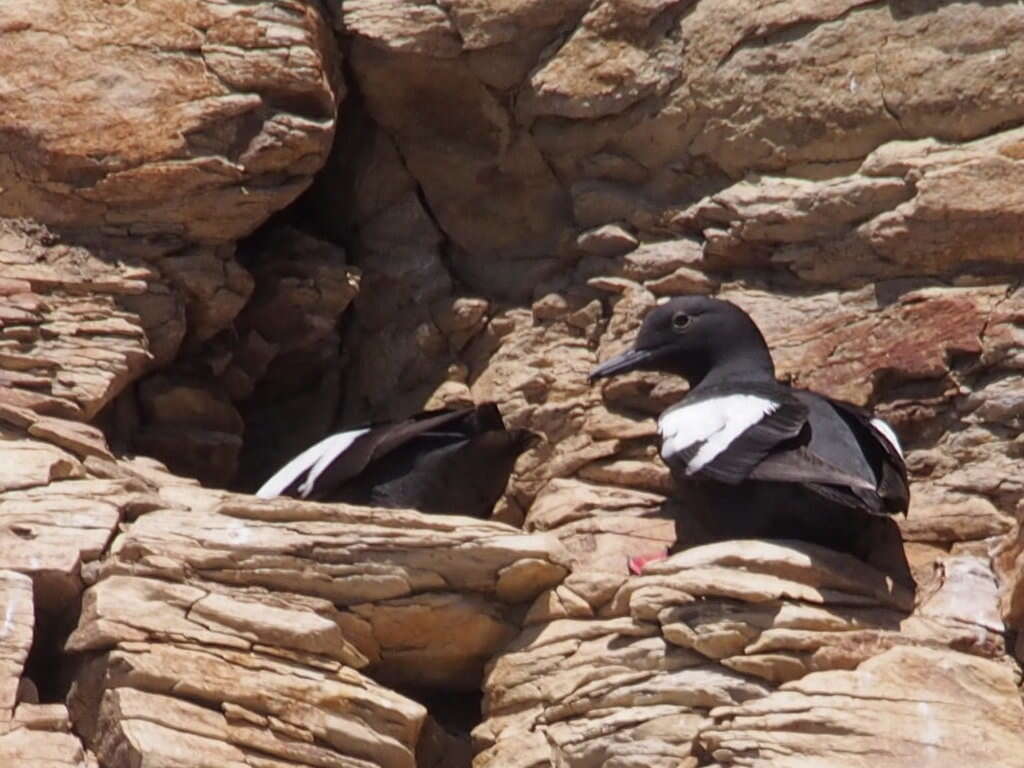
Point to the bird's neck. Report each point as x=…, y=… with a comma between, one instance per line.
x=735, y=366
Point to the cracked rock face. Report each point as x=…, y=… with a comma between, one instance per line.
x=194, y=121
x=750, y=653
x=502, y=192
x=199, y=622
x=249, y=626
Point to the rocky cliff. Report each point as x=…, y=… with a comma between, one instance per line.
x=228, y=226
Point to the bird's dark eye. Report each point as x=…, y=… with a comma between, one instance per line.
x=680, y=320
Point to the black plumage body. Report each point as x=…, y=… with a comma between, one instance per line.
x=441, y=462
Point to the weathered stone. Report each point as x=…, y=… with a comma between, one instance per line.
x=16, y=637
x=88, y=329
x=196, y=126
x=609, y=240
x=918, y=698
x=666, y=655
x=518, y=182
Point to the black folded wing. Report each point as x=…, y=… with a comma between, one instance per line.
x=320, y=470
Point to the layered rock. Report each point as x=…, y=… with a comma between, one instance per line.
x=78, y=325
x=246, y=624
x=284, y=342
x=235, y=628
x=516, y=183
x=284, y=368
x=756, y=653
x=578, y=116
x=772, y=153
x=193, y=126
x=31, y=734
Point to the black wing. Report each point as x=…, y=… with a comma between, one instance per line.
x=885, y=457
x=850, y=462
x=322, y=469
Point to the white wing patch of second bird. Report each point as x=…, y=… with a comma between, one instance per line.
x=316, y=459
x=889, y=434
x=715, y=423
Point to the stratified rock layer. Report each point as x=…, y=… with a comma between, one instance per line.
x=246, y=623
x=511, y=186
x=756, y=654
x=195, y=121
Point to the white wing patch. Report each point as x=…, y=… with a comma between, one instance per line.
x=889, y=434
x=315, y=459
x=715, y=423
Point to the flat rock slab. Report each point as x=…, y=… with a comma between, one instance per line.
x=392, y=590
x=50, y=531
x=248, y=624
x=164, y=702
x=16, y=619
x=30, y=748
x=907, y=706
x=719, y=649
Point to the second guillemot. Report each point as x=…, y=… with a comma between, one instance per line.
x=454, y=462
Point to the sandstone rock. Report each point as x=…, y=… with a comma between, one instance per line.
x=411, y=94
x=290, y=338
x=48, y=532
x=190, y=426
x=86, y=341
x=696, y=656
x=214, y=286
x=878, y=222
x=42, y=749
x=304, y=286
x=823, y=718
x=517, y=182
x=30, y=463
x=16, y=638
x=196, y=126
x=244, y=623
x=239, y=707
x=31, y=735
x=608, y=240
x=375, y=579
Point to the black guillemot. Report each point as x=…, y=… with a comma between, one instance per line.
x=772, y=460
x=453, y=461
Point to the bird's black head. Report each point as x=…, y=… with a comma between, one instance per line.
x=694, y=336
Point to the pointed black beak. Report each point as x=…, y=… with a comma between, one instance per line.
x=627, y=361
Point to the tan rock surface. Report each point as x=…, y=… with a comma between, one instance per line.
x=277, y=603
x=516, y=182
x=196, y=122
x=774, y=731
x=77, y=338
x=732, y=650
x=15, y=637
x=388, y=590
x=31, y=735
x=245, y=623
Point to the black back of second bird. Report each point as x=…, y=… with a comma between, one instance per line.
x=441, y=473
x=459, y=465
